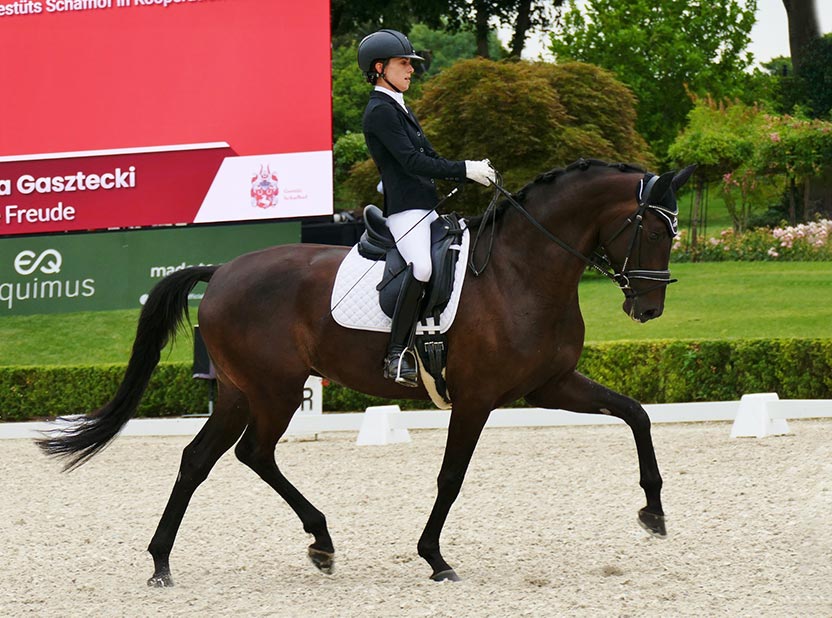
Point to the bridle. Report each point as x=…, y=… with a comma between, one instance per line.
x=598, y=261
x=624, y=276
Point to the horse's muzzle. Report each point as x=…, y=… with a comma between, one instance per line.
x=642, y=312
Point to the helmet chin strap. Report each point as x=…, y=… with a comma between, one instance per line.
x=383, y=76
x=392, y=86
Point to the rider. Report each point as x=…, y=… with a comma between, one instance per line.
x=408, y=165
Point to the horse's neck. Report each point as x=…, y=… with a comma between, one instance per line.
x=564, y=215
x=524, y=260
x=574, y=212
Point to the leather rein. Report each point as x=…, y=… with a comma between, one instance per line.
x=598, y=262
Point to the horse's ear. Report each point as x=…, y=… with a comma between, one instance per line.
x=682, y=177
x=659, y=188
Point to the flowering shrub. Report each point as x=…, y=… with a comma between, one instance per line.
x=807, y=242
x=742, y=188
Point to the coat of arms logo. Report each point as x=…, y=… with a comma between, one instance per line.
x=264, y=188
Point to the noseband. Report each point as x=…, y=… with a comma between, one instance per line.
x=599, y=260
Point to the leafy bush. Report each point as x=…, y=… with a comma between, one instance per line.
x=348, y=150
x=350, y=91
x=526, y=117
x=41, y=392
x=649, y=371
x=360, y=188
x=680, y=371
x=753, y=155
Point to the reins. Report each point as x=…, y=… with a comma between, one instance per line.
x=621, y=278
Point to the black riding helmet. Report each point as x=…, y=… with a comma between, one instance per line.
x=383, y=45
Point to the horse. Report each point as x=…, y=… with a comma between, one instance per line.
x=518, y=333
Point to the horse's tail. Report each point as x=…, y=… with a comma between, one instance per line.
x=161, y=316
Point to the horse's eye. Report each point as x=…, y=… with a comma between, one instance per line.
x=653, y=236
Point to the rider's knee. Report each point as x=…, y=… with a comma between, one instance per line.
x=422, y=270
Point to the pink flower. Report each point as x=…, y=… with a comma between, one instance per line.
x=775, y=137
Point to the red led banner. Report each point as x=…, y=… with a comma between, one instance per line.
x=175, y=89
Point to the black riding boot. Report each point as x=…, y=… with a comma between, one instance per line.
x=400, y=364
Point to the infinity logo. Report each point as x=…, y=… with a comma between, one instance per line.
x=28, y=262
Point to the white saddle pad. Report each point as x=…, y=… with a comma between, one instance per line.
x=354, y=301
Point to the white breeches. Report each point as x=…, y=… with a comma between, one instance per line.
x=413, y=239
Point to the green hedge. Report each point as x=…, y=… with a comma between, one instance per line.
x=679, y=371
x=41, y=392
x=649, y=371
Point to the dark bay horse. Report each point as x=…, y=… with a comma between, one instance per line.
x=266, y=321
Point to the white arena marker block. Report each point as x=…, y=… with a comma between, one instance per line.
x=378, y=427
x=754, y=420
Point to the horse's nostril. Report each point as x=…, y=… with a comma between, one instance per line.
x=650, y=314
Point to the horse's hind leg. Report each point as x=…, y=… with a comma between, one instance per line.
x=256, y=449
x=218, y=434
x=580, y=394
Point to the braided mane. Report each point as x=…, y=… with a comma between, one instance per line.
x=548, y=178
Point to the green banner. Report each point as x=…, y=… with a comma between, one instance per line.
x=114, y=270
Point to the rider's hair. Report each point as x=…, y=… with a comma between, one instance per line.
x=372, y=74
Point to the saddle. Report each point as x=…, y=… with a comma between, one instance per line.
x=377, y=244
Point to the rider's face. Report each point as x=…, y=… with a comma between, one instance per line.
x=397, y=73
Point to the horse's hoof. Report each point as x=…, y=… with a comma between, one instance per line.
x=654, y=524
x=160, y=580
x=323, y=560
x=449, y=575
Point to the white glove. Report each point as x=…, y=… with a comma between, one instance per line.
x=480, y=171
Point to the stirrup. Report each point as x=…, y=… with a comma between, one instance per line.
x=410, y=382
x=404, y=380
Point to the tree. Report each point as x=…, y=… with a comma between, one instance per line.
x=803, y=29
x=754, y=155
x=352, y=20
x=521, y=15
x=799, y=149
x=447, y=47
x=662, y=53
x=809, y=89
x=804, y=81
x=816, y=75
x=602, y=114
x=724, y=139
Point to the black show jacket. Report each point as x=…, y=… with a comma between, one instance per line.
x=404, y=157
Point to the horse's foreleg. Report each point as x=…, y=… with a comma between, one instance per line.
x=256, y=450
x=578, y=393
x=218, y=434
x=463, y=434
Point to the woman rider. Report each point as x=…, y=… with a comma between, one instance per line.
x=408, y=165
